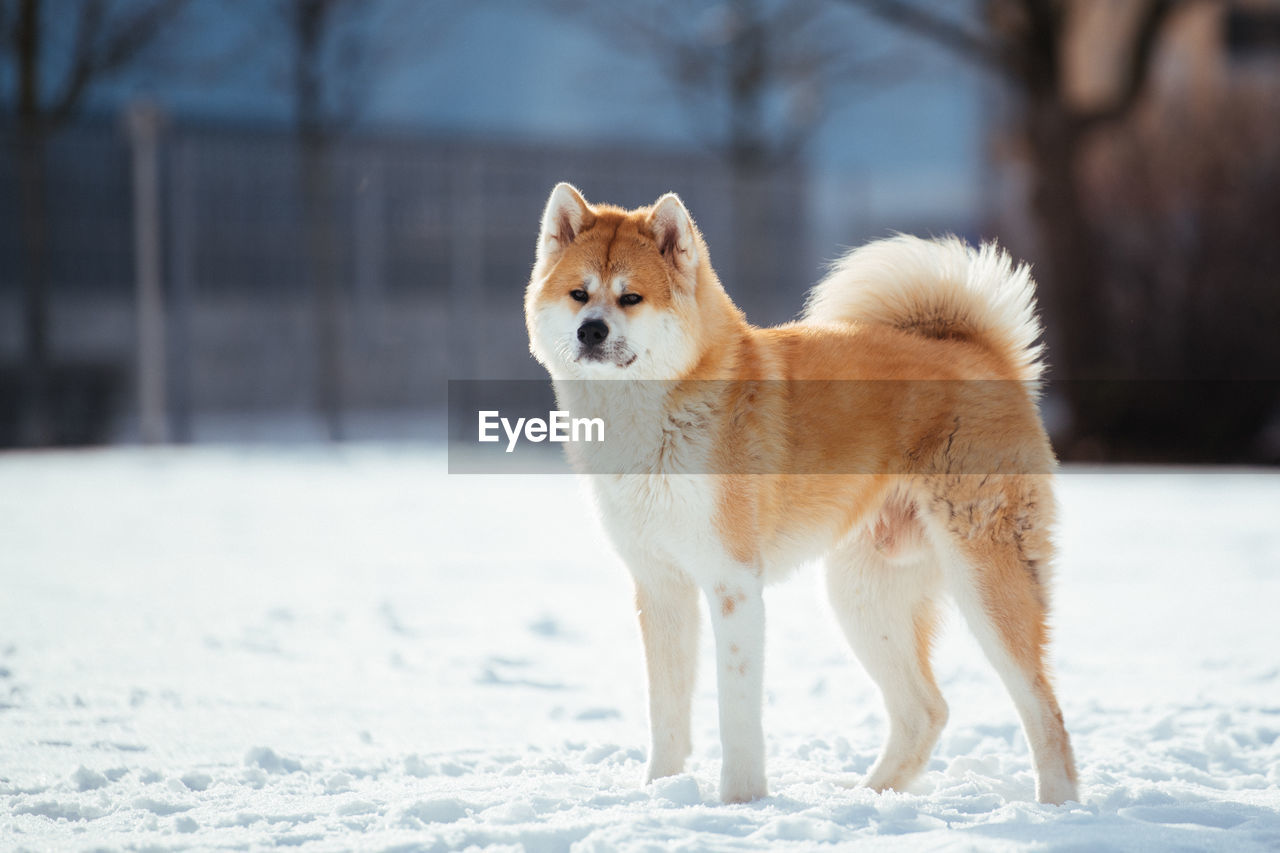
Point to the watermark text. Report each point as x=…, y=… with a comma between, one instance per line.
x=558, y=427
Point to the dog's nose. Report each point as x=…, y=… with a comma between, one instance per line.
x=593, y=332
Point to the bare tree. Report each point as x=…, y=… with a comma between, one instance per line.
x=1188, y=199
x=314, y=25
x=1024, y=45
x=105, y=39
x=756, y=78
x=1151, y=249
x=332, y=69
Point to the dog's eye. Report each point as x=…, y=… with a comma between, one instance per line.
x=579, y=295
x=630, y=299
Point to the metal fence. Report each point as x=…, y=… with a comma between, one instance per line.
x=426, y=245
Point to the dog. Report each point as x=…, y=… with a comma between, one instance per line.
x=892, y=430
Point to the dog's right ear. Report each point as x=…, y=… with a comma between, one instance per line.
x=567, y=215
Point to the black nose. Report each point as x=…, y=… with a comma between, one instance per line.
x=593, y=332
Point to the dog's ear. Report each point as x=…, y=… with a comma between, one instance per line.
x=672, y=228
x=566, y=216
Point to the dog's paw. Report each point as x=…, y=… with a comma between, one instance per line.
x=1057, y=791
x=663, y=769
x=666, y=762
x=884, y=782
x=742, y=787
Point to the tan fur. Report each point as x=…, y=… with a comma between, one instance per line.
x=947, y=457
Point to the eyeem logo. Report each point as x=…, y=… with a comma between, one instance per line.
x=558, y=427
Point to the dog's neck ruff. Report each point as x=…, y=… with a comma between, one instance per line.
x=647, y=430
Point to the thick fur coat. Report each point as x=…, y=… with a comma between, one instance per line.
x=891, y=431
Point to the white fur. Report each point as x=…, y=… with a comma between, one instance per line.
x=660, y=521
x=902, y=280
x=875, y=600
x=659, y=505
x=642, y=344
x=647, y=345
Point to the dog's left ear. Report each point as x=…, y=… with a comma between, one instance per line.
x=672, y=227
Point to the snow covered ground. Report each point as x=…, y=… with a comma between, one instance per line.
x=348, y=648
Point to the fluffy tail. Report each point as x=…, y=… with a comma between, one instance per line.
x=940, y=289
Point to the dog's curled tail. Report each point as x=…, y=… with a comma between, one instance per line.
x=940, y=288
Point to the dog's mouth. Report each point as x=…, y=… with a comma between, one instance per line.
x=618, y=355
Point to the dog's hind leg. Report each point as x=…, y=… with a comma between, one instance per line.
x=884, y=601
x=999, y=583
x=1008, y=619
x=668, y=608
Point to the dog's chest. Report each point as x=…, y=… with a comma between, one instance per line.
x=671, y=517
x=653, y=477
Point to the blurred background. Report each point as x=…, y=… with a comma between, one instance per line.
x=297, y=219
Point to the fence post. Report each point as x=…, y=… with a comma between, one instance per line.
x=370, y=238
x=143, y=121
x=182, y=275
x=466, y=268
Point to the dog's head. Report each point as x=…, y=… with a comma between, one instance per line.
x=614, y=293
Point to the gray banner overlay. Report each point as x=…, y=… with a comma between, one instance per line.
x=800, y=427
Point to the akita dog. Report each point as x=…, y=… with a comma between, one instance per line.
x=740, y=452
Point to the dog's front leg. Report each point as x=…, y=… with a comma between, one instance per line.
x=737, y=616
x=668, y=611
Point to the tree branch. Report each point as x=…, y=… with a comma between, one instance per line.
x=81, y=72
x=90, y=59
x=1036, y=54
x=737, y=63
x=937, y=29
x=26, y=51
x=134, y=35
x=1138, y=69
x=8, y=31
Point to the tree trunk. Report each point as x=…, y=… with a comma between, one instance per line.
x=1071, y=273
x=1073, y=294
x=322, y=261
x=749, y=160
x=311, y=19
x=37, y=428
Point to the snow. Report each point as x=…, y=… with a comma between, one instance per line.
x=328, y=648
